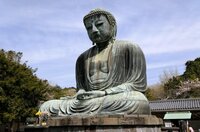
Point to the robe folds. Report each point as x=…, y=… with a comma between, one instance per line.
x=124, y=84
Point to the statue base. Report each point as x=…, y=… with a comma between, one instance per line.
x=101, y=123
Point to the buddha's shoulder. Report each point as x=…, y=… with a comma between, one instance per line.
x=86, y=53
x=126, y=44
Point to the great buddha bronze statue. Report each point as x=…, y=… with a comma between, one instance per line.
x=110, y=76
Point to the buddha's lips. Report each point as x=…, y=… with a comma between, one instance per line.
x=95, y=36
x=98, y=80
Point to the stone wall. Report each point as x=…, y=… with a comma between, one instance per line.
x=110, y=123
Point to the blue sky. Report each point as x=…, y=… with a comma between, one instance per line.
x=51, y=34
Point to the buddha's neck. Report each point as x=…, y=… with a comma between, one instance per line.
x=101, y=46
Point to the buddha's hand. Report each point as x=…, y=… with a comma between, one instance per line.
x=90, y=95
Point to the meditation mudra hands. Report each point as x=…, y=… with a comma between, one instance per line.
x=84, y=95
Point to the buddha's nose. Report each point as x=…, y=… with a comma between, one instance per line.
x=94, y=29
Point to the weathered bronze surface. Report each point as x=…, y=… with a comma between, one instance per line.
x=110, y=76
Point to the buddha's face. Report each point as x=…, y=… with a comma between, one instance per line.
x=98, y=28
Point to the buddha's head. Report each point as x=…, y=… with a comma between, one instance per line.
x=101, y=26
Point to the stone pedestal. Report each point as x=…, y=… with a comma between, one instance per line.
x=105, y=123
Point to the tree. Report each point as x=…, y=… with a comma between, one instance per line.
x=56, y=92
x=20, y=88
x=167, y=75
x=186, y=85
x=192, y=71
x=171, y=86
x=157, y=91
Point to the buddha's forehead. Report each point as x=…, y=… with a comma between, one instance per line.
x=94, y=18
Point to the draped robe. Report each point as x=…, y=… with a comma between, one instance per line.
x=124, y=84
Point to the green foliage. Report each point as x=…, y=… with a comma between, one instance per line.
x=149, y=94
x=173, y=82
x=20, y=89
x=56, y=92
x=178, y=84
x=174, y=86
x=194, y=92
x=171, y=86
x=167, y=75
x=155, y=92
x=192, y=70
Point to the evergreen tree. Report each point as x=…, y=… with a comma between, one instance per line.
x=20, y=89
x=192, y=71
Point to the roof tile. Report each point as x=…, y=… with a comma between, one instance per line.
x=175, y=104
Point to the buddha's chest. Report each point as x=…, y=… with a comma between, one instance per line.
x=99, y=65
x=100, y=58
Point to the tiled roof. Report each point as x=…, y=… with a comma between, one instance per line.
x=175, y=105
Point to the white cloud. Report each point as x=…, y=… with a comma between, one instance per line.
x=171, y=38
x=164, y=64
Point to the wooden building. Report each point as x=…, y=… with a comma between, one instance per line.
x=175, y=111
